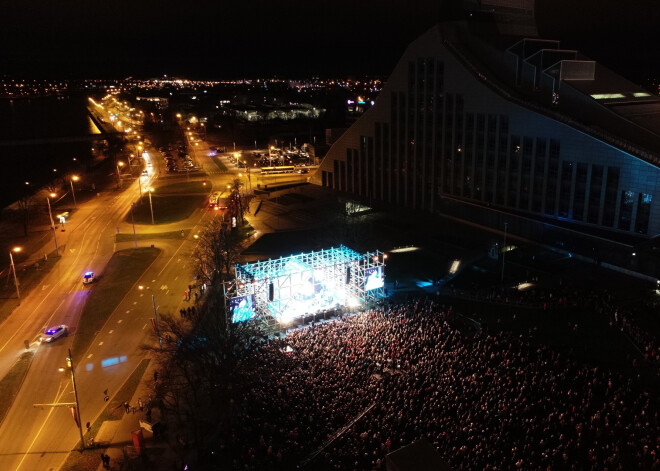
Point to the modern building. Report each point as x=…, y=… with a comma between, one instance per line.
x=496, y=128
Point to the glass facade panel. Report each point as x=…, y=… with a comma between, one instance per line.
x=643, y=213
x=611, y=193
x=595, y=189
x=580, y=191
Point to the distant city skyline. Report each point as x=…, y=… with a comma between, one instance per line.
x=289, y=39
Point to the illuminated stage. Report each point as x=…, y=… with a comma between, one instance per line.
x=292, y=287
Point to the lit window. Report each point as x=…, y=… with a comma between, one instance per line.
x=607, y=96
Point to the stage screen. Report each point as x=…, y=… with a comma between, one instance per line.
x=374, y=278
x=242, y=308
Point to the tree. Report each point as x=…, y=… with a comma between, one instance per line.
x=24, y=209
x=200, y=364
x=217, y=251
x=238, y=204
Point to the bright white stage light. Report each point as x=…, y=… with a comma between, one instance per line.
x=352, y=301
x=405, y=249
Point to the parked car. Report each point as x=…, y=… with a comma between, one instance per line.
x=54, y=333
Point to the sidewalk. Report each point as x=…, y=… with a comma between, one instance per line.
x=158, y=452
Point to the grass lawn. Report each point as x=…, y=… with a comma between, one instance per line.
x=122, y=237
x=196, y=186
x=28, y=275
x=123, y=270
x=167, y=209
x=11, y=383
x=89, y=459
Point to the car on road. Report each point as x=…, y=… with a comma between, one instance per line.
x=54, y=333
x=145, y=173
x=213, y=199
x=88, y=278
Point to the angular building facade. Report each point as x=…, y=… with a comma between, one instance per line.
x=510, y=125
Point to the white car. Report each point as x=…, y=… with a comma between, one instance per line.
x=54, y=333
x=88, y=278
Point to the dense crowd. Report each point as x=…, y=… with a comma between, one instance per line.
x=486, y=401
x=602, y=302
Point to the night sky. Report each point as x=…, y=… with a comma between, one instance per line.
x=252, y=38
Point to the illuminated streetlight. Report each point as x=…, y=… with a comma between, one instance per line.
x=69, y=364
x=13, y=268
x=119, y=165
x=74, y=178
x=133, y=222
x=52, y=224
x=151, y=206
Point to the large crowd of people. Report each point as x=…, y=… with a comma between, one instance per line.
x=343, y=394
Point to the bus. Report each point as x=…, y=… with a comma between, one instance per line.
x=277, y=170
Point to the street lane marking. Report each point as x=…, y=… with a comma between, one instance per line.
x=134, y=302
x=163, y=287
x=119, y=321
x=111, y=331
x=58, y=395
x=144, y=326
x=128, y=311
x=100, y=343
x=90, y=356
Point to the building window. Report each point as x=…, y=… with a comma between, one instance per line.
x=626, y=209
x=565, y=185
x=580, y=191
x=643, y=213
x=611, y=192
x=595, y=189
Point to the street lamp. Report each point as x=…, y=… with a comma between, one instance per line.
x=74, y=178
x=151, y=207
x=119, y=165
x=52, y=224
x=13, y=269
x=69, y=364
x=133, y=222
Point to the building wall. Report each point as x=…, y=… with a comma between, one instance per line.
x=439, y=129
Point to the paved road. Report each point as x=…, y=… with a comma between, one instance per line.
x=34, y=438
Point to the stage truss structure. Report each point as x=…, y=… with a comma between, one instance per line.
x=289, y=288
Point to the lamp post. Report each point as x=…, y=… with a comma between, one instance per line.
x=13, y=269
x=151, y=207
x=52, y=224
x=133, y=222
x=69, y=364
x=119, y=165
x=74, y=178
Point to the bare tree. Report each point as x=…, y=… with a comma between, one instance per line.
x=238, y=204
x=24, y=210
x=217, y=251
x=200, y=363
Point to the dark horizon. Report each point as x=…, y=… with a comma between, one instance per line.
x=206, y=40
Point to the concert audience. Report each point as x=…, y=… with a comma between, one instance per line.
x=381, y=379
